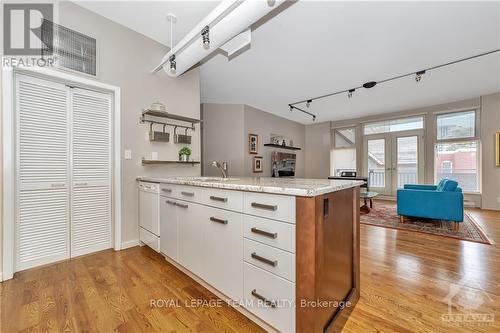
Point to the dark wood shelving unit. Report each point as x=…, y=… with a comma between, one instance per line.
x=158, y=162
x=281, y=146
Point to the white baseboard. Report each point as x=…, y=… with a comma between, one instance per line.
x=1, y=278
x=130, y=243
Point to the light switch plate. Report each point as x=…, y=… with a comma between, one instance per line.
x=128, y=154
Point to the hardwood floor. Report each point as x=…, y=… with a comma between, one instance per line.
x=405, y=278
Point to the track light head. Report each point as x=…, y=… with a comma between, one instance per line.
x=349, y=93
x=173, y=65
x=418, y=75
x=205, y=34
x=369, y=85
x=314, y=118
x=291, y=108
x=308, y=102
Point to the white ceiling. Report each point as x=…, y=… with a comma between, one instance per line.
x=314, y=48
x=318, y=47
x=149, y=17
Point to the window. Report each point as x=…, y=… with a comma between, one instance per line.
x=457, y=149
x=394, y=125
x=344, y=150
x=456, y=125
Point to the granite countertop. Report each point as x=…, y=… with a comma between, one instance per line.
x=287, y=186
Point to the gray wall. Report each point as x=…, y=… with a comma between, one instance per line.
x=222, y=139
x=264, y=124
x=490, y=124
x=318, y=146
x=125, y=59
x=225, y=138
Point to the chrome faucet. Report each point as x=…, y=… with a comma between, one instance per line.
x=222, y=168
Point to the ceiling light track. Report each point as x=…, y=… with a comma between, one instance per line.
x=367, y=85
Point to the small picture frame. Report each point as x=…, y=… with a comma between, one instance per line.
x=497, y=149
x=253, y=143
x=258, y=164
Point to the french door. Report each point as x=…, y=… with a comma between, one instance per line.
x=393, y=159
x=63, y=157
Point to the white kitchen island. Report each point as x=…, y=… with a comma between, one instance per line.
x=285, y=252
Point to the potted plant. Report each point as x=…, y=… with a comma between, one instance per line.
x=184, y=154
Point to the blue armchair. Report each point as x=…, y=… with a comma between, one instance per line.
x=442, y=202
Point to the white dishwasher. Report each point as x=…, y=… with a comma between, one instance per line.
x=149, y=215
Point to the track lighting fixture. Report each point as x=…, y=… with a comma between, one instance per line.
x=291, y=108
x=418, y=75
x=173, y=65
x=206, y=37
x=369, y=85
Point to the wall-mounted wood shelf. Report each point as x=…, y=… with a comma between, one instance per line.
x=281, y=146
x=167, y=115
x=152, y=162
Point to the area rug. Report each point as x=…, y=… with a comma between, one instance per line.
x=385, y=215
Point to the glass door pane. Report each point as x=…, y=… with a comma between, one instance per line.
x=376, y=163
x=407, y=160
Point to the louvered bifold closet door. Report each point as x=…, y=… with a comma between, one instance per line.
x=91, y=172
x=42, y=229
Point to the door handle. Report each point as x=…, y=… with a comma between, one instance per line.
x=270, y=262
x=272, y=235
x=221, y=221
x=264, y=206
x=170, y=202
x=214, y=198
x=262, y=298
x=181, y=205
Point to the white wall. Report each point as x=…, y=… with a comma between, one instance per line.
x=125, y=59
x=317, y=149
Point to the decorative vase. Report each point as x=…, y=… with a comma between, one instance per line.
x=184, y=158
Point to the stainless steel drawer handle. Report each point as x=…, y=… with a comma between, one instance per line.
x=272, y=235
x=262, y=298
x=270, y=262
x=181, y=205
x=170, y=202
x=166, y=190
x=264, y=206
x=189, y=194
x=214, y=198
x=214, y=219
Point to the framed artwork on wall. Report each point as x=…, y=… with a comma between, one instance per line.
x=253, y=144
x=497, y=148
x=258, y=164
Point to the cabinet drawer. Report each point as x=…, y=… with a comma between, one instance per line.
x=182, y=192
x=149, y=239
x=273, y=206
x=274, y=233
x=270, y=297
x=271, y=259
x=226, y=199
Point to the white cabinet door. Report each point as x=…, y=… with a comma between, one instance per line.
x=191, y=236
x=224, y=250
x=42, y=229
x=168, y=228
x=91, y=172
